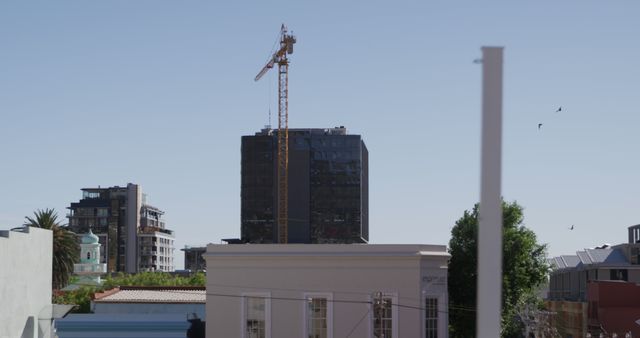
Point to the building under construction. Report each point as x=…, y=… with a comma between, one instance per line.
x=327, y=187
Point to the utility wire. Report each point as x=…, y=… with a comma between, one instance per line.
x=358, y=323
x=303, y=290
x=451, y=307
x=304, y=300
x=273, y=47
x=269, y=99
x=560, y=321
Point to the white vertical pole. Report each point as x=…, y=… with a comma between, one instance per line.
x=490, y=228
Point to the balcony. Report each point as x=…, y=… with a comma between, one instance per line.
x=152, y=229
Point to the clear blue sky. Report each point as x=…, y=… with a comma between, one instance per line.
x=159, y=93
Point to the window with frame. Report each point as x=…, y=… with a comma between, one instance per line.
x=317, y=317
x=618, y=274
x=431, y=317
x=255, y=317
x=383, y=317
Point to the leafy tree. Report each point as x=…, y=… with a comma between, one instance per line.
x=524, y=268
x=82, y=296
x=66, y=250
x=153, y=279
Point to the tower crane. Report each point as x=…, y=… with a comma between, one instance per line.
x=280, y=57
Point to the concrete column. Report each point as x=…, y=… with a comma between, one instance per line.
x=490, y=228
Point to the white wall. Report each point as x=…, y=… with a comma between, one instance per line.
x=350, y=273
x=25, y=282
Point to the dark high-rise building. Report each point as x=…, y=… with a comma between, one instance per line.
x=328, y=187
x=193, y=259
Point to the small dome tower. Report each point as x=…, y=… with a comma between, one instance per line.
x=89, y=269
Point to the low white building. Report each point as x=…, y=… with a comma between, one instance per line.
x=183, y=300
x=326, y=290
x=25, y=283
x=138, y=312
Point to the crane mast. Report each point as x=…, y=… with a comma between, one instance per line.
x=280, y=57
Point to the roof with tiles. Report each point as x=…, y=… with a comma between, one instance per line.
x=556, y=263
x=570, y=261
x=564, y=261
x=162, y=294
x=598, y=256
x=584, y=257
x=607, y=256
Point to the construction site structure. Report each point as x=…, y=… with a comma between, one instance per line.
x=280, y=57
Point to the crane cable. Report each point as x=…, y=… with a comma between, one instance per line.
x=273, y=48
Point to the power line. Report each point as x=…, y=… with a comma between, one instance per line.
x=451, y=307
x=287, y=298
x=358, y=323
x=303, y=290
x=305, y=300
x=366, y=302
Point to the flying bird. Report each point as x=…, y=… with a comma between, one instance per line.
x=539, y=126
x=477, y=61
x=571, y=227
x=559, y=109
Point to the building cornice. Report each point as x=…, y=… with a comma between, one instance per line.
x=326, y=250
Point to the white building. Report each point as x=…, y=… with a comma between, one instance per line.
x=183, y=300
x=155, y=248
x=326, y=290
x=25, y=283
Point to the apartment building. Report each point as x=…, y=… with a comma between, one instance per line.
x=132, y=233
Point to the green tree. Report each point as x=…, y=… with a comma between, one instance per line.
x=65, y=246
x=524, y=268
x=153, y=279
x=82, y=296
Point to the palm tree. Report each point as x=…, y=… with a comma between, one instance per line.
x=65, y=246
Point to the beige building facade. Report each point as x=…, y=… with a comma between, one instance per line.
x=326, y=290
